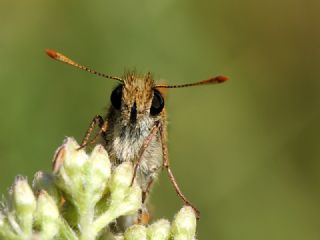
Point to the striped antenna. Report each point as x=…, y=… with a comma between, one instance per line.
x=62, y=58
x=217, y=79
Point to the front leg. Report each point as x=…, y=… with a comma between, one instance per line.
x=103, y=125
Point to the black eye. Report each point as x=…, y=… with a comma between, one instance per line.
x=157, y=103
x=116, y=97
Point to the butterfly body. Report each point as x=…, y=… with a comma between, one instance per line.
x=130, y=123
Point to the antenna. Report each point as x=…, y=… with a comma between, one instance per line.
x=214, y=80
x=62, y=58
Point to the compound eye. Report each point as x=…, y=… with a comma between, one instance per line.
x=116, y=97
x=157, y=103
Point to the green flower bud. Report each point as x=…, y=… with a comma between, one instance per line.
x=184, y=224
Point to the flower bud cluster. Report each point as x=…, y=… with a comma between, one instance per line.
x=80, y=199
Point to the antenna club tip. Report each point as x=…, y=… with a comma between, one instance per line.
x=51, y=53
x=221, y=78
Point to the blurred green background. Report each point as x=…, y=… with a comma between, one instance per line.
x=245, y=152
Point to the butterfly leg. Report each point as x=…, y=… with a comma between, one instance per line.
x=103, y=125
x=172, y=179
x=146, y=143
x=144, y=215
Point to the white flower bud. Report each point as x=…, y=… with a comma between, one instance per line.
x=69, y=169
x=136, y=232
x=159, y=230
x=47, y=216
x=98, y=171
x=45, y=181
x=5, y=229
x=184, y=224
x=70, y=157
x=132, y=201
x=121, y=180
x=24, y=203
x=2, y=218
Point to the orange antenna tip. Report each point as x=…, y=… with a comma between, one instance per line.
x=217, y=79
x=221, y=78
x=51, y=53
